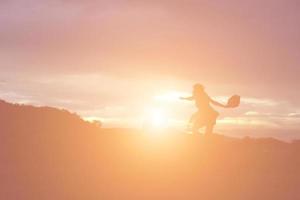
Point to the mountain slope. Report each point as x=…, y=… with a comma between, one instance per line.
x=46, y=153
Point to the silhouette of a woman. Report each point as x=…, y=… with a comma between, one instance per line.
x=206, y=116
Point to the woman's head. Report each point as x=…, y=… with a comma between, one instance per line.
x=198, y=88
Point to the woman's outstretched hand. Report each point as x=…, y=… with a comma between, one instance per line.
x=186, y=98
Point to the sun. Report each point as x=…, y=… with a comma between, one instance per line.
x=158, y=118
x=155, y=118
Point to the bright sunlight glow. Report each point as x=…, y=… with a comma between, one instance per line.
x=156, y=118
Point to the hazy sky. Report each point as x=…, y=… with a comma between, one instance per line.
x=111, y=59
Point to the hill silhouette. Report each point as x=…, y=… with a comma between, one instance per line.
x=47, y=153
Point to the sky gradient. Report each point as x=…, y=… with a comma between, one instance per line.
x=114, y=60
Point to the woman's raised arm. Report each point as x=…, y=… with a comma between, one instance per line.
x=217, y=103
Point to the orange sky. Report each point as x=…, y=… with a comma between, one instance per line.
x=112, y=59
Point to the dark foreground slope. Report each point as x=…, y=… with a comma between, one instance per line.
x=50, y=154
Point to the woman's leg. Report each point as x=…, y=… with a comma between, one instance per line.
x=209, y=129
x=193, y=117
x=195, y=128
x=211, y=122
x=193, y=123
